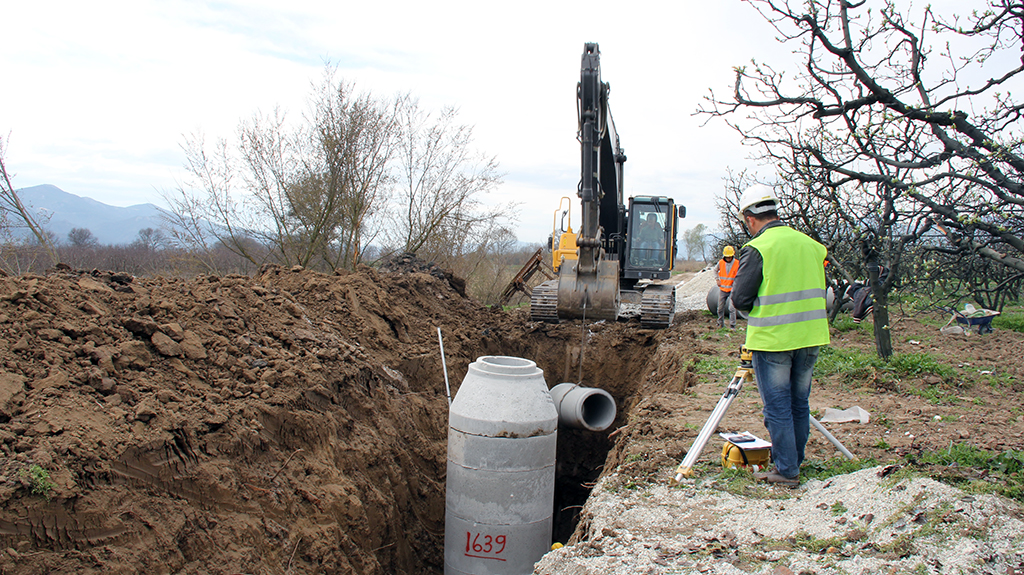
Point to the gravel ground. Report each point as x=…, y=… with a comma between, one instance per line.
x=693, y=293
x=858, y=523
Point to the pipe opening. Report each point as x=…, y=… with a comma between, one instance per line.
x=598, y=411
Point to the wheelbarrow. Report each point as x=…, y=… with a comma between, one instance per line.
x=971, y=317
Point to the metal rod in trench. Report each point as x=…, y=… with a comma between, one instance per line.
x=583, y=338
x=444, y=366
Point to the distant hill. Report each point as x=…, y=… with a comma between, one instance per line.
x=108, y=224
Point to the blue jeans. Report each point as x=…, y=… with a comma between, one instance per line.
x=784, y=382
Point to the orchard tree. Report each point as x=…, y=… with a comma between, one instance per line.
x=888, y=124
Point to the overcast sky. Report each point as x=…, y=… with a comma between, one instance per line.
x=99, y=95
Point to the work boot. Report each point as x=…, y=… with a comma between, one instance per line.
x=775, y=477
x=721, y=323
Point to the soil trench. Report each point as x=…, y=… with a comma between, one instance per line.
x=292, y=422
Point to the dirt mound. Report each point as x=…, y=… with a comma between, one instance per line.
x=408, y=263
x=288, y=422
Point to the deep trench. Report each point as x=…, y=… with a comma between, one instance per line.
x=581, y=454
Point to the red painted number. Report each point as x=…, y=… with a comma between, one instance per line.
x=484, y=546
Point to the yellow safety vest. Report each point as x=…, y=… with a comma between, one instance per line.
x=789, y=311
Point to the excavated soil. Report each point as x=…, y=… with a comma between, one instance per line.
x=295, y=422
x=291, y=422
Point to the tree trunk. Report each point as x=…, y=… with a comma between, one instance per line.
x=880, y=313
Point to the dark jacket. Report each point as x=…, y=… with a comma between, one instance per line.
x=749, y=276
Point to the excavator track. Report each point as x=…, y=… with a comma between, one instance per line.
x=658, y=307
x=544, y=302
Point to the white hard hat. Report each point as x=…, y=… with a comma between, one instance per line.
x=758, y=194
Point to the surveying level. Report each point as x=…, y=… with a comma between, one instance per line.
x=744, y=373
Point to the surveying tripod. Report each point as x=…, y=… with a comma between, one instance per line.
x=744, y=373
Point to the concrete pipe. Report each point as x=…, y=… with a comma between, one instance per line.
x=712, y=300
x=500, y=488
x=583, y=407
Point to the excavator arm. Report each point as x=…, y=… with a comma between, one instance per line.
x=590, y=288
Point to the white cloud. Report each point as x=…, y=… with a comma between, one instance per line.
x=103, y=93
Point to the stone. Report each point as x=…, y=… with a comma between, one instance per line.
x=56, y=378
x=11, y=384
x=192, y=346
x=135, y=355
x=165, y=345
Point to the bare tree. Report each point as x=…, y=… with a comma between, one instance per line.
x=303, y=194
x=696, y=241
x=14, y=215
x=82, y=238
x=150, y=239
x=441, y=183
x=891, y=124
x=351, y=148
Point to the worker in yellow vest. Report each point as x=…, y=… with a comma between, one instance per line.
x=781, y=286
x=727, y=267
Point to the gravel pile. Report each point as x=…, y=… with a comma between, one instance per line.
x=860, y=523
x=693, y=293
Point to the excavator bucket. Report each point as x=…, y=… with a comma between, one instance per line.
x=589, y=296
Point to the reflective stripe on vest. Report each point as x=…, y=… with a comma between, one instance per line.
x=727, y=274
x=789, y=311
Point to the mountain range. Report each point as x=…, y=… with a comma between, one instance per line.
x=109, y=224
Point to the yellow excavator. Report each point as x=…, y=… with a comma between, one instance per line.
x=620, y=255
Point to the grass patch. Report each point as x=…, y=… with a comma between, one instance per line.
x=848, y=365
x=815, y=469
x=713, y=365
x=845, y=323
x=916, y=364
x=962, y=465
x=39, y=481
x=856, y=366
x=1009, y=320
x=975, y=470
x=634, y=458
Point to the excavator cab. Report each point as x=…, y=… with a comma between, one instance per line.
x=650, y=238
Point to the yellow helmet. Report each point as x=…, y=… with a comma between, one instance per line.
x=728, y=252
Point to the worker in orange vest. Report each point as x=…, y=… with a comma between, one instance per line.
x=727, y=268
